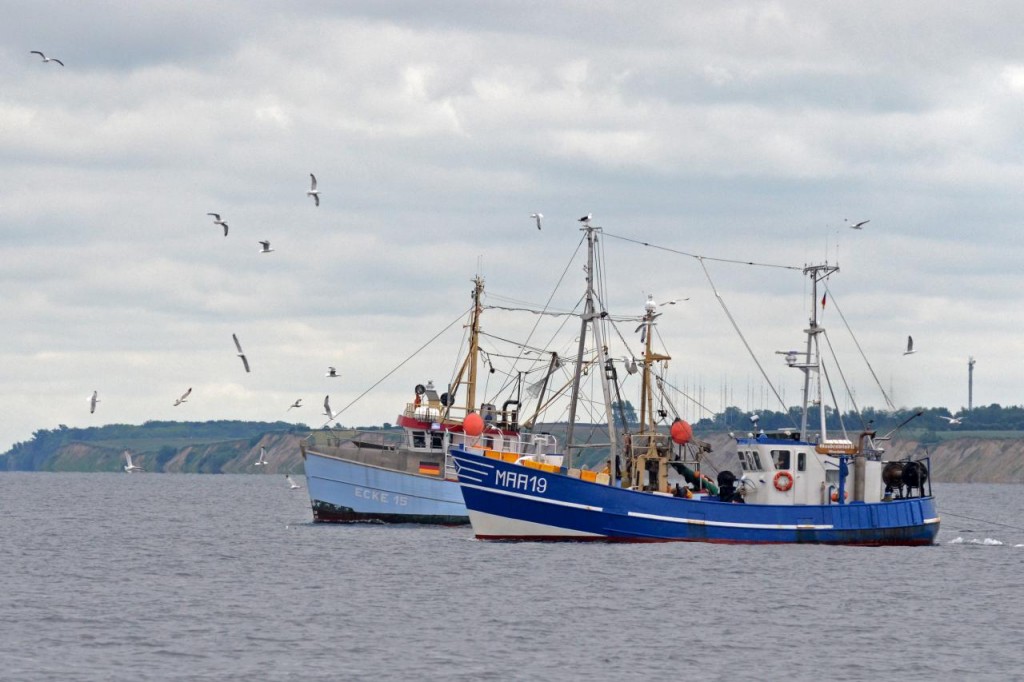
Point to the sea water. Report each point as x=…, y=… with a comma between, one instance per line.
x=225, y=577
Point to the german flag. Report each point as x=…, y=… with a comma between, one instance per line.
x=430, y=468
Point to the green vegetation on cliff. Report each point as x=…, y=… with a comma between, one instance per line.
x=205, y=447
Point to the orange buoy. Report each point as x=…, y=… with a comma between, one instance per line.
x=681, y=432
x=473, y=424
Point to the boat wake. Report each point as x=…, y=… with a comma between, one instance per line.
x=987, y=542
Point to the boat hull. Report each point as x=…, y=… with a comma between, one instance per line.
x=511, y=502
x=342, y=491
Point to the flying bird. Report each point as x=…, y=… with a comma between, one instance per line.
x=266, y=246
x=262, y=461
x=292, y=485
x=129, y=467
x=860, y=225
x=537, y=217
x=332, y=373
x=45, y=58
x=183, y=398
x=218, y=221
x=586, y=219
x=240, y=353
x=92, y=401
x=313, y=191
x=953, y=421
x=297, y=403
x=910, y=346
x=327, y=407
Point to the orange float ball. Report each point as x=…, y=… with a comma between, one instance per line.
x=473, y=424
x=681, y=432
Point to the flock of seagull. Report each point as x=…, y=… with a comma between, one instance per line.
x=332, y=372
x=265, y=247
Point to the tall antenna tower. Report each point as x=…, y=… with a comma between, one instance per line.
x=970, y=383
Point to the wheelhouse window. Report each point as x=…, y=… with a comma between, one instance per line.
x=781, y=459
x=436, y=440
x=801, y=461
x=419, y=439
x=749, y=460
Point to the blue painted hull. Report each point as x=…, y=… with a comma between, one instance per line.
x=512, y=502
x=341, y=491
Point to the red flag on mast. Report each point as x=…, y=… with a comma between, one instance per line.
x=823, y=300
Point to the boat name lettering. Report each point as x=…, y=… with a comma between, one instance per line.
x=382, y=496
x=528, y=482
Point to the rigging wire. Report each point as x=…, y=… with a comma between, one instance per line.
x=835, y=402
x=541, y=313
x=396, y=368
x=666, y=382
x=871, y=369
x=971, y=518
x=846, y=385
x=535, y=311
x=743, y=339
x=702, y=258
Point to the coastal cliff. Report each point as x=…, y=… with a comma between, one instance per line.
x=967, y=459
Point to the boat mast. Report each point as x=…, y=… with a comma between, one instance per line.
x=585, y=319
x=817, y=273
x=650, y=357
x=647, y=448
x=470, y=363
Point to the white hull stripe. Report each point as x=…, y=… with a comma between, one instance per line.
x=931, y=521
x=465, y=469
x=489, y=525
x=726, y=524
x=534, y=498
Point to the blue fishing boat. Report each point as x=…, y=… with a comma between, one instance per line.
x=795, y=485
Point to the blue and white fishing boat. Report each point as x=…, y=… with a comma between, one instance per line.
x=796, y=486
x=370, y=477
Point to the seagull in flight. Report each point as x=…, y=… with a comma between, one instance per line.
x=218, y=221
x=537, y=217
x=95, y=398
x=297, y=403
x=327, y=407
x=586, y=219
x=953, y=421
x=313, y=191
x=262, y=461
x=240, y=353
x=292, y=485
x=45, y=58
x=129, y=467
x=910, y=346
x=860, y=225
x=266, y=246
x=183, y=398
x=332, y=373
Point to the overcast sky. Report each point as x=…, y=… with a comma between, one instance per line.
x=754, y=131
